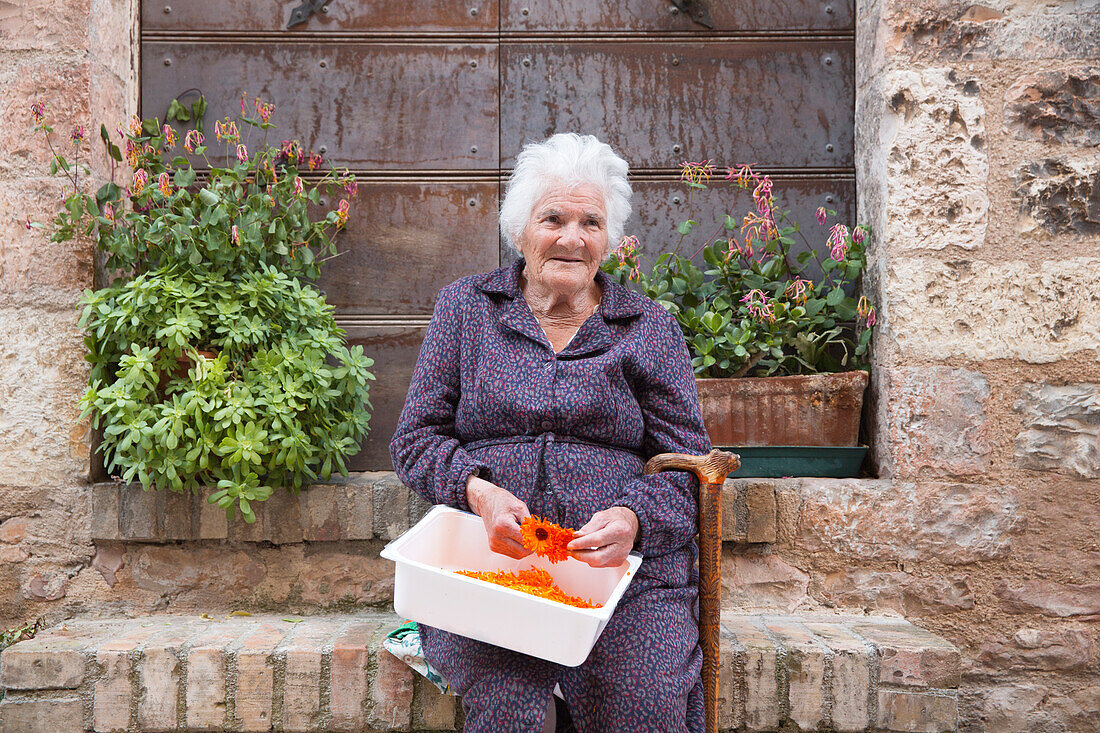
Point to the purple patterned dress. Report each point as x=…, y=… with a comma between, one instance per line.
x=568, y=434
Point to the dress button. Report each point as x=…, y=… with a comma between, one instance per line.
x=546, y=424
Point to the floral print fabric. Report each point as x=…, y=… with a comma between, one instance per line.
x=567, y=433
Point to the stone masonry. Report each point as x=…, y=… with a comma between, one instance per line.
x=976, y=166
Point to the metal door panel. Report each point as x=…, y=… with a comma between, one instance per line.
x=342, y=16
x=371, y=106
x=405, y=241
x=780, y=104
x=656, y=16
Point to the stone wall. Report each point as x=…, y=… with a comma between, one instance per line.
x=977, y=155
x=979, y=169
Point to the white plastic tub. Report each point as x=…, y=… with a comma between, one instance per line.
x=427, y=590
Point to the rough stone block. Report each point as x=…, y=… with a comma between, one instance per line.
x=1051, y=598
x=954, y=522
x=303, y=649
x=938, y=420
x=105, y=509
x=357, y=515
x=321, y=513
x=760, y=662
x=432, y=710
x=948, y=31
x=908, y=594
x=350, y=686
x=391, y=507
x=417, y=507
x=45, y=665
x=1037, y=650
x=733, y=511
x=208, y=572
x=756, y=580
x=1060, y=195
x=137, y=516
x=1061, y=428
x=760, y=507
x=788, y=503
x=935, y=308
x=333, y=577
x=937, y=169
x=57, y=715
x=910, y=656
x=391, y=689
x=917, y=712
x=1058, y=105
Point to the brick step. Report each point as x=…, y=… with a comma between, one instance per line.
x=330, y=673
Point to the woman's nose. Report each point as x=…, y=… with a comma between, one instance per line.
x=572, y=234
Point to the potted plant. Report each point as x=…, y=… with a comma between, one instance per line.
x=214, y=362
x=780, y=356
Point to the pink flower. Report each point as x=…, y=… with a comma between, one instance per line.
x=838, y=242
x=821, y=216
x=141, y=178
x=28, y=224
x=135, y=126
x=870, y=317
x=866, y=311
x=263, y=109
x=109, y=212
x=164, y=184
x=351, y=187
x=342, y=212
x=169, y=137
x=798, y=289
x=242, y=153
x=759, y=308
x=858, y=235
x=78, y=134
x=314, y=161
x=298, y=186
x=226, y=129
x=697, y=173
x=38, y=111
x=744, y=175
x=235, y=234
x=627, y=249
x=192, y=140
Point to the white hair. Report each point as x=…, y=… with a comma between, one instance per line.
x=565, y=160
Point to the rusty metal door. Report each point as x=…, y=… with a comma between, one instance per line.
x=428, y=101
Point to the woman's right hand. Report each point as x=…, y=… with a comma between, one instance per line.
x=501, y=512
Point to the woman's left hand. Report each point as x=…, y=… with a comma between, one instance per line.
x=607, y=538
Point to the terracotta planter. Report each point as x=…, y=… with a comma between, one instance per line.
x=812, y=409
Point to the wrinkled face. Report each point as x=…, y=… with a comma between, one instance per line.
x=565, y=239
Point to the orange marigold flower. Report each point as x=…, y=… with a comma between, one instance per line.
x=535, y=581
x=545, y=539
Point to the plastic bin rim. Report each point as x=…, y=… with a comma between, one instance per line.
x=389, y=552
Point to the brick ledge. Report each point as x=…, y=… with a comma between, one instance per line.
x=816, y=672
x=365, y=506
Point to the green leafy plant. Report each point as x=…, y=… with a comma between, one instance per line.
x=754, y=311
x=213, y=364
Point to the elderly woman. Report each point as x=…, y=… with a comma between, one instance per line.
x=542, y=388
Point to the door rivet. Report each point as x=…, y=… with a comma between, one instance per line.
x=168, y=62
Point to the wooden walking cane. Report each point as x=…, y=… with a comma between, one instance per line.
x=712, y=470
